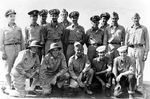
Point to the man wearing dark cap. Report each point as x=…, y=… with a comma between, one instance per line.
x=104, y=17
x=26, y=65
x=34, y=31
x=43, y=15
x=137, y=37
x=11, y=42
x=53, y=30
x=76, y=33
x=54, y=69
x=94, y=37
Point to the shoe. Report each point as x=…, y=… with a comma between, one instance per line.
x=3, y=89
x=131, y=96
x=139, y=92
x=33, y=92
x=88, y=91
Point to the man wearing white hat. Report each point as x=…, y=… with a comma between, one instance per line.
x=124, y=71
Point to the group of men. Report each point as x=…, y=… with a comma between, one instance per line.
x=52, y=53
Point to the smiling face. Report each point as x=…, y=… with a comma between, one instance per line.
x=101, y=54
x=114, y=19
x=33, y=18
x=78, y=50
x=55, y=52
x=123, y=54
x=11, y=18
x=136, y=20
x=54, y=17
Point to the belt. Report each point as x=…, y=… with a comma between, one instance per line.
x=54, y=40
x=12, y=44
x=115, y=43
x=136, y=45
x=95, y=44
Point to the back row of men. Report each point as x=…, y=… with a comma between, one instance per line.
x=66, y=33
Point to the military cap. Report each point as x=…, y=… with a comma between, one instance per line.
x=74, y=13
x=10, y=11
x=34, y=44
x=136, y=15
x=64, y=11
x=43, y=12
x=122, y=48
x=115, y=14
x=53, y=46
x=106, y=15
x=54, y=11
x=33, y=12
x=101, y=48
x=95, y=18
x=77, y=44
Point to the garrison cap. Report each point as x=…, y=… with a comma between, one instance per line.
x=54, y=11
x=43, y=12
x=106, y=15
x=95, y=18
x=33, y=13
x=136, y=15
x=10, y=11
x=64, y=11
x=122, y=48
x=115, y=14
x=74, y=13
x=101, y=48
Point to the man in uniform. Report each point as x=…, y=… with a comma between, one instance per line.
x=102, y=66
x=94, y=37
x=76, y=33
x=115, y=33
x=80, y=69
x=104, y=17
x=54, y=69
x=26, y=65
x=53, y=30
x=11, y=42
x=137, y=37
x=43, y=15
x=124, y=71
x=34, y=31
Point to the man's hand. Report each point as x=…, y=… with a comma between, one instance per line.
x=4, y=56
x=80, y=77
x=53, y=81
x=118, y=78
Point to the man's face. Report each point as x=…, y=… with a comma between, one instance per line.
x=103, y=20
x=11, y=18
x=64, y=15
x=123, y=54
x=33, y=18
x=74, y=19
x=114, y=19
x=44, y=17
x=101, y=54
x=78, y=51
x=54, y=17
x=136, y=20
x=34, y=49
x=55, y=52
x=95, y=24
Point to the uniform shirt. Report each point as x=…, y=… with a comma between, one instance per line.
x=66, y=24
x=103, y=27
x=52, y=32
x=54, y=65
x=121, y=66
x=137, y=35
x=43, y=23
x=115, y=34
x=77, y=33
x=25, y=61
x=95, y=37
x=11, y=35
x=34, y=32
x=101, y=64
x=77, y=65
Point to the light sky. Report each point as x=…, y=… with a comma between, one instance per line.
x=86, y=8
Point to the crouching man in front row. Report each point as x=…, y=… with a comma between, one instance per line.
x=53, y=70
x=80, y=69
x=124, y=71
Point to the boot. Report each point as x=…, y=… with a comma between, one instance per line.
x=88, y=91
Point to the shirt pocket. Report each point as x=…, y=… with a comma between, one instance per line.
x=8, y=34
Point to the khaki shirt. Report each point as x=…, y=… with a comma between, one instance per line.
x=115, y=34
x=51, y=65
x=121, y=66
x=77, y=65
x=103, y=27
x=11, y=35
x=66, y=24
x=137, y=35
x=95, y=37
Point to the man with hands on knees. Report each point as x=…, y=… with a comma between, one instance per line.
x=124, y=71
x=80, y=69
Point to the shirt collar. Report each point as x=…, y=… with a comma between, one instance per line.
x=76, y=57
x=52, y=24
x=93, y=29
x=111, y=25
x=43, y=22
x=138, y=26
x=52, y=57
x=13, y=25
x=75, y=26
x=34, y=24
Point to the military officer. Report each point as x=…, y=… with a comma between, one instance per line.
x=104, y=17
x=53, y=30
x=137, y=37
x=11, y=42
x=124, y=71
x=43, y=15
x=76, y=33
x=94, y=37
x=80, y=69
x=26, y=65
x=34, y=31
x=54, y=69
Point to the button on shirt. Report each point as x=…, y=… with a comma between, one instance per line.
x=137, y=35
x=115, y=34
x=11, y=35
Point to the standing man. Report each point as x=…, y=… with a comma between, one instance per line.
x=124, y=71
x=115, y=33
x=53, y=30
x=94, y=37
x=34, y=31
x=54, y=69
x=104, y=17
x=26, y=65
x=80, y=69
x=137, y=37
x=43, y=15
x=11, y=42
x=76, y=33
